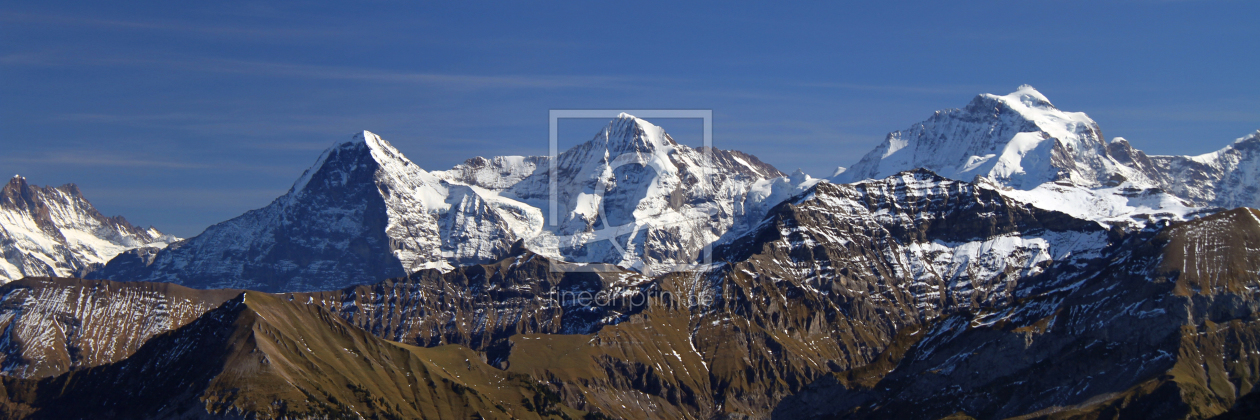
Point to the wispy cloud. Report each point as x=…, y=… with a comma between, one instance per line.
x=291, y=146
x=322, y=72
x=231, y=198
x=164, y=26
x=262, y=68
x=183, y=211
x=97, y=159
x=935, y=90
x=129, y=118
x=1195, y=114
x=28, y=59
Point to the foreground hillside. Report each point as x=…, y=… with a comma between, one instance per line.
x=260, y=356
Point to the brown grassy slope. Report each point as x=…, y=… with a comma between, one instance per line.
x=264, y=357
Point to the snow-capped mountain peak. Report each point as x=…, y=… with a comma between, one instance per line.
x=47, y=231
x=630, y=133
x=1073, y=127
x=1029, y=97
x=633, y=196
x=1020, y=140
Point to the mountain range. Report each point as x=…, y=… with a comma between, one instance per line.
x=1003, y=260
x=634, y=197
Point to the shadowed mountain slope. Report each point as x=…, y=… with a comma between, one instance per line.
x=1167, y=328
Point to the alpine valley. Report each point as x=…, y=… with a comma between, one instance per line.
x=1004, y=260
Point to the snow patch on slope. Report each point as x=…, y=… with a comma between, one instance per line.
x=1124, y=206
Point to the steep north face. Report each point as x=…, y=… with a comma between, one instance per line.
x=362, y=213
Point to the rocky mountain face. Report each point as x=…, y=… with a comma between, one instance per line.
x=1165, y=327
x=632, y=196
x=47, y=231
x=835, y=276
x=1024, y=142
x=362, y=213
x=482, y=306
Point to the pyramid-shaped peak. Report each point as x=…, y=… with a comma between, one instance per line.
x=373, y=141
x=16, y=192
x=364, y=146
x=365, y=136
x=629, y=132
x=628, y=118
x=380, y=148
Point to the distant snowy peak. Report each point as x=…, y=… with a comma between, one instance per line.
x=634, y=196
x=496, y=173
x=1024, y=145
x=1020, y=140
x=46, y=231
x=1229, y=177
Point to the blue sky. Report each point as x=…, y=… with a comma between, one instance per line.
x=181, y=114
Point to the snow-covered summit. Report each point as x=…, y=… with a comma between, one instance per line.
x=1022, y=144
x=629, y=133
x=1029, y=97
x=1020, y=140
